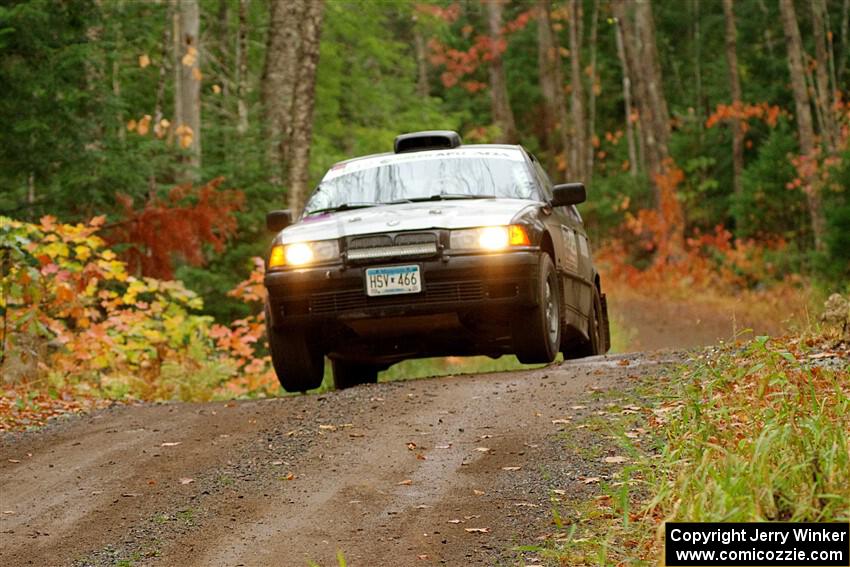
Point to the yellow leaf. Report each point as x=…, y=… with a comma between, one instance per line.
x=196, y=74
x=131, y=125
x=216, y=89
x=82, y=252
x=144, y=60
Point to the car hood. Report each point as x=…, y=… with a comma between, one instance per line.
x=406, y=216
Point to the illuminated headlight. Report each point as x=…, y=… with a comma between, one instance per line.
x=489, y=238
x=303, y=253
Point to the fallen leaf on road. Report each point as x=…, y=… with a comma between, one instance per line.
x=411, y=446
x=578, y=407
x=455, y=521
x=187, y=480
x=449, y=446
x=560, y=492
x=423, y=556
x=478, y=492
x=482, y=449
x=96, y=492
x=405, y=482
x=8, y=511
x=356, y=434
x=14, y=461
x=277, y=463
x=624, y=362
x=485, y=437
x=328, y=427
x=477, y=530
x=560, y=421
x=422, y=507
x=511, y=468
x=354, y=501
x=170, y=444
x=616, y=460
x=421, y=457
x=290, y=476
x=591, y=480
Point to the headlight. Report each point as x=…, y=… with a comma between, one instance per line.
x=303, y=253
x=489, y=238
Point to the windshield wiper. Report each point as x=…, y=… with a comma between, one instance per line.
x=442, y=197
x=343, y=207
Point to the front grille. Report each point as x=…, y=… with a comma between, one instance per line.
x=440, y=292
x=384, y=252
x=370, y=241
x=393, y=245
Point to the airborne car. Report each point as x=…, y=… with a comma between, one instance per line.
x=436, y=249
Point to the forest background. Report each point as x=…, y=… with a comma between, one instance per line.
x=144, y=141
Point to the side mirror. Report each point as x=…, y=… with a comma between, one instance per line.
x=568, y=194
x=278, y=220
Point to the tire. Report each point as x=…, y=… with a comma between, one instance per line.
x=537, y=334
x=299, y=365
x=348, y=374
x=597, y=331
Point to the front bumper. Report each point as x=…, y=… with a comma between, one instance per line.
x=459, y=284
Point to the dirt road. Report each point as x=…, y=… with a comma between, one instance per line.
x=454, y=470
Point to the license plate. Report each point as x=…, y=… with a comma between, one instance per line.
x=393, y=280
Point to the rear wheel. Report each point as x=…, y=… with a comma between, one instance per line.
x=348, y=374
x=299, y=365
x=537, y=335
x=597, y=342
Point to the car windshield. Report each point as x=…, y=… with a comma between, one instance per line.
x=458, y=174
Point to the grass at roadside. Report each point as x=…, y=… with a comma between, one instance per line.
x=745, y=432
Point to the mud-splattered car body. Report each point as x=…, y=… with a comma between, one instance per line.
x=436, y=249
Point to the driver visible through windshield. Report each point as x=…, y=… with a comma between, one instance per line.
x=433, y=175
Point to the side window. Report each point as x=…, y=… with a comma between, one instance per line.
x=545, y=183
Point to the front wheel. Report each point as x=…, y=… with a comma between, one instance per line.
x=348, y=374
x=537, y=335
x=299, y=365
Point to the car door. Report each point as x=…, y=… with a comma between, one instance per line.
x=568, y=235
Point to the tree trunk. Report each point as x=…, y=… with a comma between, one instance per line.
x=823, y=90
x=423, y=89
x=845, y=40
x=627, y=99
x=579, y=146
x=642, y=57
x=188, y=89
x=503, y=116
x=302, y=114
x=555, y=119
x=283, y=56
x=591, y=121
x=735, y=92
x=803, y=115
x=242, y=68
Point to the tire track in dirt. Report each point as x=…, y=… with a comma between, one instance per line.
x=103, y=488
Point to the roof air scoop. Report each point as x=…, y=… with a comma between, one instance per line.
x=428, y=140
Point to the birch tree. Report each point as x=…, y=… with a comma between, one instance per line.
x=503, y=116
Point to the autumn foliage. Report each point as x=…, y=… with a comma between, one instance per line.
x=76, y=325
x=181, y=225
